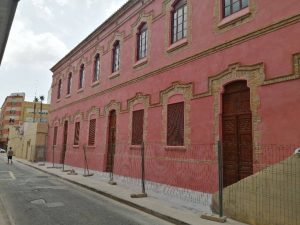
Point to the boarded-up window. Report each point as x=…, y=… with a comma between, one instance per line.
x=137, y=127
x=55, y=135
x=175, y=124
x=92, y=132
x=76, y=134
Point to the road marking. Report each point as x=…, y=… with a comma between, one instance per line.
x=9, y=174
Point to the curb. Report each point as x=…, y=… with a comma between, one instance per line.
x=123, y=201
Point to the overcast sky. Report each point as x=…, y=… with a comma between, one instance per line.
x=42, y=33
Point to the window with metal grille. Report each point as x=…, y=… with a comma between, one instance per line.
x=69, y=83
x=76, y=134
x=116, y=57
x=96, y=68
x=179, y=21
x=55, y=136
x=175, y=124
x=92, y=132
x=81, y=77
x=233, y=6
x=59, y=89
x=142, y=42
x=137, y=127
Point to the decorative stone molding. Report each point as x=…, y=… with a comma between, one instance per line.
x=93, y=111
x=243, y=16
x=139, y=98
x=116, y=37
x=66, y=117
x=55, y=122
x=77, y=117
x=254, y=75
x=186, y=90
x=168, y=6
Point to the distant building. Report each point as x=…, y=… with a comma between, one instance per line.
x=15, y=111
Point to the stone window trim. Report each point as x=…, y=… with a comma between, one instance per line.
x=231, y=4
x=138, y=102
x=225, y=23
x=170, y=46
x=174, y=94
x=143, y=19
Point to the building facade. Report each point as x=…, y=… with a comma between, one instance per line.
x=11, y=114
x=180, y=75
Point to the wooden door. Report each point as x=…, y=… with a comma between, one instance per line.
x=111, y=141
x=237, y=133
x=65, y=138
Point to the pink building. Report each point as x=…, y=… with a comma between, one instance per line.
x=181, y=75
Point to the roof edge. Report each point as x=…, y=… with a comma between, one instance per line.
x=106, y=23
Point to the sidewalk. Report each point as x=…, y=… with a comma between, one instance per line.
x=152, y=205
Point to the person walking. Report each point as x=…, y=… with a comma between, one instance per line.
x=10, y=154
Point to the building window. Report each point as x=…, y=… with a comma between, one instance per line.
x=92, y=132
x=69, y=83
x=137, y=127
x=179, y=21
x=116, y=57
x=175, y=124
x=59, y=89
x=96, y=68
x=81, y=77
x=142, y=42
x=76, y=134
x=55, y=136
x=233, y=6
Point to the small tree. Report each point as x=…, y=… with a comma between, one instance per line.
x=42, y=98
x=34, y=107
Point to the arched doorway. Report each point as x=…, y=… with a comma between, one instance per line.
x=237, y=133
x=111, y=140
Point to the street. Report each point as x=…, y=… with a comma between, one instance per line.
x=32, y=197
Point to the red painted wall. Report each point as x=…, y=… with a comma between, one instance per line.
x=195, y=168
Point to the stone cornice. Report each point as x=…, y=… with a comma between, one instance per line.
x=220, y=47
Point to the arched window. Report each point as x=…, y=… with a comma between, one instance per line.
x=116, y=57
x=59, y=89
x=179, y=21
x=96, y=68
x=69, y=83
x=233, y=6
x=81, y=76
x=142, y=42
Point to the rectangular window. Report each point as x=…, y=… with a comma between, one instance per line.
x=81, y=77
x=76, y=134
x=92, y=132
x=179, y=21
x=69, y=84
x=116, y=57
x=137, y=127
x=96, y=68
x=175, y=124
x=142, y=42
x=232, y=6
x=55, y=136
x=59, y=89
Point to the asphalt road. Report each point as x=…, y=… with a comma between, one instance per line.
x=31, y=197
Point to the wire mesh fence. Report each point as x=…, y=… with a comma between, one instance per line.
x=188, y=176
